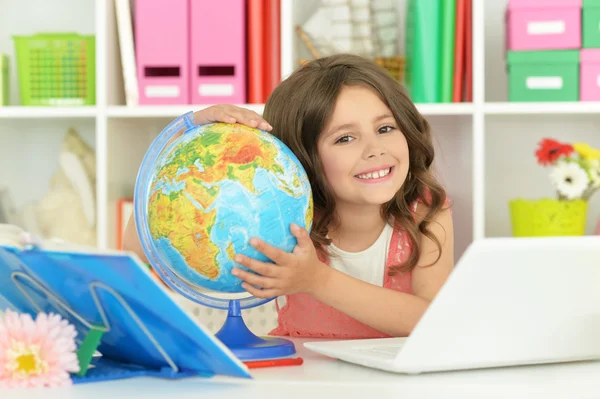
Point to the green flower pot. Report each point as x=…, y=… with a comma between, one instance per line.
x=548, y=217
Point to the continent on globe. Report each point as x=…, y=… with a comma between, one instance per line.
x=215, y=187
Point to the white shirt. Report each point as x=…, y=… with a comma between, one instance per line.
x=367, y=265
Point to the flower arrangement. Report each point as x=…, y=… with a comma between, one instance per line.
x=575, y=175
x=36, y=353
x=575, y=167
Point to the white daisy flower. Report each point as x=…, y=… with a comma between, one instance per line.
x=569, y=179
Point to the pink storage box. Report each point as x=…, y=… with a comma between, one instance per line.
x=218, y=51
x=590, y=75
x=161, y=47
x=543, y=24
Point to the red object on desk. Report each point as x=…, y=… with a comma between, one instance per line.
x=255, y=364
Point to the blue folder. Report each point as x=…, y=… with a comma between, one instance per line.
x=145, y=332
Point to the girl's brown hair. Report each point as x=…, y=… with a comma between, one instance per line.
x=299, y=109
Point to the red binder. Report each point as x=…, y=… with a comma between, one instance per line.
x=272, y=56
x=459, y=51
x=256, y=44
x=469, y=50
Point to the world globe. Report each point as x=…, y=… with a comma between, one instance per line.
x=202, y=192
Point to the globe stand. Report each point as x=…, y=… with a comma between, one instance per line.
x=245, y=344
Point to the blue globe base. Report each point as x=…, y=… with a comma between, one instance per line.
x=245, y=344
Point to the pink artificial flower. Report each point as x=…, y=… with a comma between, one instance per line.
x=38, y=353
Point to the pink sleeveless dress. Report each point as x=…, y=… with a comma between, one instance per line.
x=305, y=316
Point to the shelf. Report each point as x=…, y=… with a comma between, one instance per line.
x=507, y=108
x=18, y=112
x=164, y=111
x=157, y=111
x=446, y=109
x=168, y=111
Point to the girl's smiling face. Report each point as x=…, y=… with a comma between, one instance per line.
x=363, y=152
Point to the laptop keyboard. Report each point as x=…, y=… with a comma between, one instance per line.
x=383, y=351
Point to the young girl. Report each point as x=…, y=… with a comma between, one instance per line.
x=382, y=242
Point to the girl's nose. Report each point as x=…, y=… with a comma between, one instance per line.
x=373, y=151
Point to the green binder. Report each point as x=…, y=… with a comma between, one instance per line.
x=447, y=39
x=423, y=50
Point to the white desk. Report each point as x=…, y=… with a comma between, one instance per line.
x=321, y=377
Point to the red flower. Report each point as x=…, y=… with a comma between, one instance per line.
x=550, y=150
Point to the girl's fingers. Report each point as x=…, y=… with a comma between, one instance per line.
x=257, y=292
x=231, y=114
x=277, y=255
x=222, y=116
x=250, y=118
x=255, y=280
x=247, y=117
x=262, y=268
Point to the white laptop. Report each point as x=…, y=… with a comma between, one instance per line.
x=508, y=302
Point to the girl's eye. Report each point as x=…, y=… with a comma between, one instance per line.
x=385, y=129
x=344, y=139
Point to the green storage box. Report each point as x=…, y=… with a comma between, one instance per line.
x=590, y=24
x=543, y=75
x=56, y=69
x=3, y=80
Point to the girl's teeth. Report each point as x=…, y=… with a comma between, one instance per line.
x=374, y=175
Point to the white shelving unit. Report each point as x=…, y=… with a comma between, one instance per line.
x=485, y=148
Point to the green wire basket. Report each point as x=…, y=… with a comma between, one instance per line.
x=57, y=69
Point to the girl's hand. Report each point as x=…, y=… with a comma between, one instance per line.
x=228, y=113
x=299, y=271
